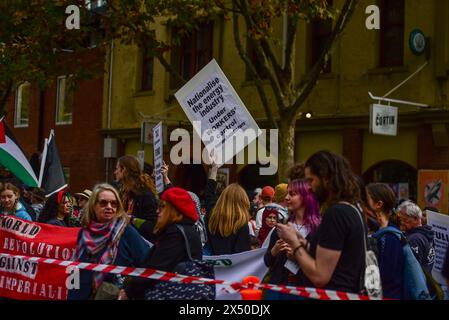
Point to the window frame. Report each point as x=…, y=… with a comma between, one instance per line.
x=178, y=58
x=145, y=59
x=385, y=27
x=58, y=101
x=18, y=106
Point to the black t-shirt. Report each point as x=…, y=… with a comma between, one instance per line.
x=341, y=229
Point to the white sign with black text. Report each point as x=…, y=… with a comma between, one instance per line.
x=210, y=100
x=383, y=120
x=158, y=153
x=440, y=226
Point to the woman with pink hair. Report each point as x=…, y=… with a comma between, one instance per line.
x=305, y=216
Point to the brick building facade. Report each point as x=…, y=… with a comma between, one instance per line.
x=79, y=140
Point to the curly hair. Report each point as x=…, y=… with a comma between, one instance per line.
x=335, y=171
x=296, y=172
x=134, y=180
x=53, y=206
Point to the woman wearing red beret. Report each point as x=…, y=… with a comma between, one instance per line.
x=176, y=207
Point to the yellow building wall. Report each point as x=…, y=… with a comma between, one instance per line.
x=307, y=143
x=355, y=71
x=378, y=148
x=132, y=146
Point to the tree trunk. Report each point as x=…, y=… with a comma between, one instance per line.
x=286, y=155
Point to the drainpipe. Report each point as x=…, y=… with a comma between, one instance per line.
x=111, y=63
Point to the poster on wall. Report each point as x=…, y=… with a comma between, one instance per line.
x=401, y=190
x=433, y=189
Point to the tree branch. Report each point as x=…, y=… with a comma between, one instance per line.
x=292, y=26
x=252, y=69
x=147, y=35
x=4, y=97
x=261, y=56
x=343, y=19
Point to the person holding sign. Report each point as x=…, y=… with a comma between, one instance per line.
x=106, y=238
x=138, y=194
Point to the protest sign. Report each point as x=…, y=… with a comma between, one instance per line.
x=217, y=113
x=27, y=280
x=440, y=225
x=158, y=156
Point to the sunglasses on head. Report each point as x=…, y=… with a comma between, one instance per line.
x=104, y=203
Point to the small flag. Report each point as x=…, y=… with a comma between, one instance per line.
x=51, y=175
x=13, y=158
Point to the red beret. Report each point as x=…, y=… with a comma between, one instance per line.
x=182, y=201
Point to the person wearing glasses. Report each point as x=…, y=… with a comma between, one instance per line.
x=106, y=238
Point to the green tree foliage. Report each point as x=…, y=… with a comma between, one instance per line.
x=35, y=44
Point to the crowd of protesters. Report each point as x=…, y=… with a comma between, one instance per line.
x=313, y=228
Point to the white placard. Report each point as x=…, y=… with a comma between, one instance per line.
x=158, y=153
x=235, y=267
x=383, y=120
x=440, y=225
x=209, y=99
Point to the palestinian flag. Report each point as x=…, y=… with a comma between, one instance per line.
x=13, y=158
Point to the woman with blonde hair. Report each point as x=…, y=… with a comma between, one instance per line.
x=9, y=202
x=139, y=195
x=228, y=230
x=106, y=238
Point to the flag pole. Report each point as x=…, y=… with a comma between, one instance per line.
x=44, y=158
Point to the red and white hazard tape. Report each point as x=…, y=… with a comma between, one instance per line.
x=312, y=293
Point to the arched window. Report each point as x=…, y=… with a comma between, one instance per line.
x=401, y=177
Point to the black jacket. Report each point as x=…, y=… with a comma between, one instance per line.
x=145, y=207
x=421, y=242
x=278, y=274
x=168, y=251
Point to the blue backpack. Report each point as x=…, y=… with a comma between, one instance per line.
x=415, y=285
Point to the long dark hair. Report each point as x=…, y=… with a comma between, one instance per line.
x=341, y=182
x=134, y=180
x=53, y=206
x=382, y=192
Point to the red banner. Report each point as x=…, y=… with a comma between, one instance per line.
x=29, y=280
